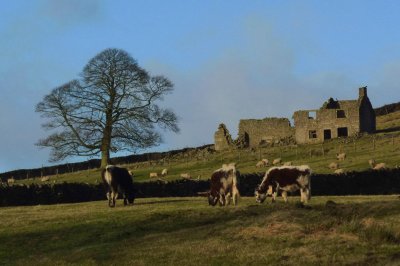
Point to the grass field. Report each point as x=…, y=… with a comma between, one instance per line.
x=355, y=230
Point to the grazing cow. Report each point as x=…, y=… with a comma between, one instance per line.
x=117, y=179
x=224, y=186
x=285, y=179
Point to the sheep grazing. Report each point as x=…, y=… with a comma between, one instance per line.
x=153, y=175
x=10, y=181
x=287, y=164
x=262, y=163
x=45, y=178
x=277, y=161
x=164, y=172
x=379, y=166
x=371, y=163
x=333, y=166
x=339, y=171
x=186, y=176
x=341, y=156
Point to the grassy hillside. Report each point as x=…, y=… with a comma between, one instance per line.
x=383, y=147
x=353, y=231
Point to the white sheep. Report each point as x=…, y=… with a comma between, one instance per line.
x=164, y=172
x=333, y=166
x=341, y=156
x=266, y=162
x=151, y=175
x=371, y=163
x=339, y=171
x=186, y=176
x=10, y=181
x=45, y=178
x=287, y=164
x=260, y=164
x=277, y=161
x=379, y=166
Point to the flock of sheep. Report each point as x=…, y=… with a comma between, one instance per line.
x=342, y=156
x=333, y=166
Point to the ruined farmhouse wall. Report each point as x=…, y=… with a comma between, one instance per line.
x=367, y=116
x=267, y=130
x=222, y=139
x=334, y=119
x=326, y=120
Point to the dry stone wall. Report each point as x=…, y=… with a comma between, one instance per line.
x=264, y=131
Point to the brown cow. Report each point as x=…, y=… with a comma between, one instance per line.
x=285, y=179
x=224, y=186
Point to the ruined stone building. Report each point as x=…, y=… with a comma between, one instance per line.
x=334, y=119
x=254, y=132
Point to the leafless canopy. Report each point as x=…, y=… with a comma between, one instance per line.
x=111, y=107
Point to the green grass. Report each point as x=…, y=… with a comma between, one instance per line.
x=383, y=147
x=356, y=230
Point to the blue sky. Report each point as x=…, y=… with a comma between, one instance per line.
x=229, y=60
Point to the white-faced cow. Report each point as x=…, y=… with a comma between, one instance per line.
x=224, y=186
x=285, y=179
x=118, y=180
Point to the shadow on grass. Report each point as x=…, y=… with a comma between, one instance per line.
x=114, y=231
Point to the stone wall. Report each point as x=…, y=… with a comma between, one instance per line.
x=267, y=130
x=222, y=138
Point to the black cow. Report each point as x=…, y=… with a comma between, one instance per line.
x=118, y=180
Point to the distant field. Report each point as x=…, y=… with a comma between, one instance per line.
x=357, y=230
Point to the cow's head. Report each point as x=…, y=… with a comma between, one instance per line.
x=261, y=196
x=212, y=199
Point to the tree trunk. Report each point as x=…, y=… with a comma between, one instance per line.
x=105, y=147
x=105, y=157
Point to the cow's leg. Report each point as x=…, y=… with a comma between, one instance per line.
x=228, y=198
x=235, y=195
x=284, y=196
x=108, y=194
x=125, y=199
x=274, y=195
x=114, y=196
x=304, y=195
x=221, y=200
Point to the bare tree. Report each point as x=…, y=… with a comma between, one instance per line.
x=111, y=107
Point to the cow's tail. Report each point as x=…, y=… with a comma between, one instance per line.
x=235, y=188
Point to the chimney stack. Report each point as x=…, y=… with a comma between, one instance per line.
x=362, y=92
